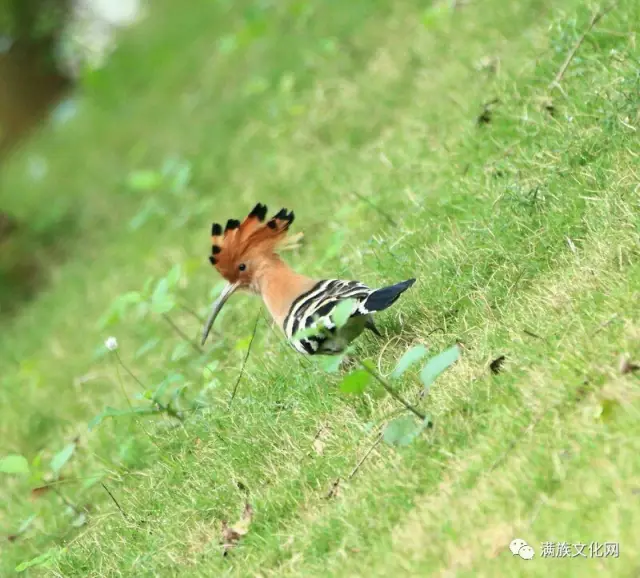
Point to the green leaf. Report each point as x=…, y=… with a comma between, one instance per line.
x=14, y=464
x=112, y=412
x=142, y=216
x=436, y=365
x=178, y=392
x=146, y=347
x=118, y=308
x=40, y=560
x=355, y=382
x=61, y=458
x=144, y=180
x=174, y=275
x=403, y=430
x=434, y=16
x=24, y=526
x=161, y=300
x=210, y=369
x=410, y=357
x=331, y=363
x=178, y=173
x=227, y=44
x=92, y=480
x=308, y=332
x=180, y=351
x=243, y=344
x=165, y=383
x=342, y=312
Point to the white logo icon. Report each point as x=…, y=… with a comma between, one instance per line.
x=520, y=548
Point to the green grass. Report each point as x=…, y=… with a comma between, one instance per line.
x=361, y=116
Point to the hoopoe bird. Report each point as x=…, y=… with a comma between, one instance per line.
x=245, y=255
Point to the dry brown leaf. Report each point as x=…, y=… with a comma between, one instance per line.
x=318, y=441
x=626, y=365
x=232, y=534
x=39, y=492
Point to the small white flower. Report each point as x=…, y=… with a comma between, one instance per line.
x=111, y=343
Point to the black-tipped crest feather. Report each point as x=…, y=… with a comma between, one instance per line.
x=259, y=211
x=232, y=224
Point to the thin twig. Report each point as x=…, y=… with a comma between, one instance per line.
x=594, y=20
x=392, y=392
x=114, y=500
x=246, y=357
x=605, y=324
x=283, y=344
x=124, y=391
x=67, y=502
x=191, y=312
x=129, y=372
x=121, y=383
x=365, y=456
x=181, y=333
x=376, y=208
x=512, y=444
x=531, y=333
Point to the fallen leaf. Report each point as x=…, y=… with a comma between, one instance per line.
x=496, y=365
x=39, y=492
x=627, y=366
x=318, y=445
x=318, y=441
x=232, y=534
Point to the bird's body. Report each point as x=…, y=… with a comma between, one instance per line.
x=245, y=256
x=315, y=307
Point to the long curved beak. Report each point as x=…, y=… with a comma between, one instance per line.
x=217, y=306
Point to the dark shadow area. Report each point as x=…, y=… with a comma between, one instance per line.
x=30, y=86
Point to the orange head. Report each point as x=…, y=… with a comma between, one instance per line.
x=242, y=250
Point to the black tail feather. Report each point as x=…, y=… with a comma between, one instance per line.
x=387, y=296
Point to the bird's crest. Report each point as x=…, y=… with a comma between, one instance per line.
x=252, y=237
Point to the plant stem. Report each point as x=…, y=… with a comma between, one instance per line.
x=246, y=357
x=181, y=333
x=129, y=372
x=114, y=500
x=191, y=312
x=594, y=20
x=392, y=392
x=365, y=456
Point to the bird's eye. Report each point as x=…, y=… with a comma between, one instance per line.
x=242, y=266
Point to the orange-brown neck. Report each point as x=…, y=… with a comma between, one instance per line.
x=279, y=286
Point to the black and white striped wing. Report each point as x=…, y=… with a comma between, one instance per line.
x=315, y=307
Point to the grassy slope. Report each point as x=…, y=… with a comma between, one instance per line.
x=316, y=104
